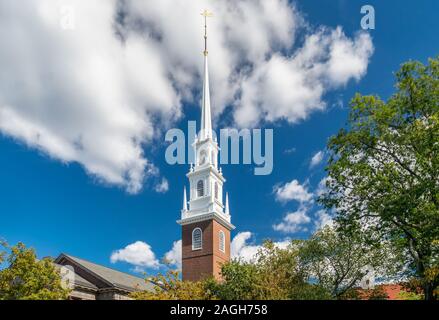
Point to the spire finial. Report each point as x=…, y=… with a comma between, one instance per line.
x=206, y=14
x=206, y=119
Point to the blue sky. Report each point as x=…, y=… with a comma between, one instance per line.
x=56, y=206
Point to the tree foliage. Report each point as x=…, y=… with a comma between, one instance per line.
x=384, y=170
x=384, y=187
x=338, y=262
x=26, y=278
x=169, y=287
x=274, y=274
x=327, y=266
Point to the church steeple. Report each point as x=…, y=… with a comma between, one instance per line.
x=206, y=119
x=205, y=221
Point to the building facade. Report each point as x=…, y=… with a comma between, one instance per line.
x=205, y=218
x=91, y=281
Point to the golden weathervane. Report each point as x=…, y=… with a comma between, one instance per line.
x=206, y=14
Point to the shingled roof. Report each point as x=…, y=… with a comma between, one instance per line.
x=108, y=277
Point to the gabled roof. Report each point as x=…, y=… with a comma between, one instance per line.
x=79, y=281
x=113, y=278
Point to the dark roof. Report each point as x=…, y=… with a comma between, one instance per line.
x=80, y=281
x=118, y=279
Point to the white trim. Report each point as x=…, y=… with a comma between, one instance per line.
x=207, y=216
x=210, y=169
x=201, y=239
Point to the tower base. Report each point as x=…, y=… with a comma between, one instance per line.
x=205, y=262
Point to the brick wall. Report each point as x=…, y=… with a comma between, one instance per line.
x=198, y=264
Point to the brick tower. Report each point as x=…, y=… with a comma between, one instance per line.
x=204, y=219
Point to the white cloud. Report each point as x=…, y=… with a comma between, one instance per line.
x=316, y=159
x=82, y=95
x=321, y=188
x=293, y=191
x=294, y=221
x=323, y=219
x=99, y=94
x=162, y=187
x=348, y=59
x=173, y=256
x=300, y=220
x=138, y=254
x=241, y=249
x=292, y=87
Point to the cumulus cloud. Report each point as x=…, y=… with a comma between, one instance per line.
x=100, y=92
x=81, y=95
x=304, y=217
x=316, y=159
x=242, y=249
x=321, y=188
x=294, y=221
x=138, y=254
x=292, y=87
x=293, y=191
x=323, y=219
x=173, y=256
x=162, y=187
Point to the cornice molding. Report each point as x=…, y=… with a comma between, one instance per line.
x=204, y=217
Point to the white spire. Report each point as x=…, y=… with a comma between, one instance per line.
x=206, y=195
x=184, y=200
x=206, y=119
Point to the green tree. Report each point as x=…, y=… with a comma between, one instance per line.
x=241, y=281
x=274, y=274
x=26, y=278
x=169, y=286
x=384, y=170
x=338, y=262
x=408, y=295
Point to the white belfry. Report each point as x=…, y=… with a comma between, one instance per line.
x=205, y=178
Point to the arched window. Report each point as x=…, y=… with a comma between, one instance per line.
x=203, y=157
x=222, y=241
x=197, y=239
x=216, y=190
x=200, y=188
